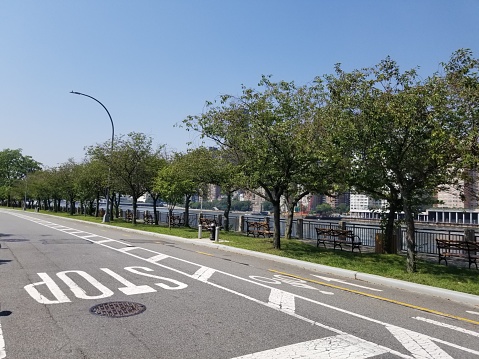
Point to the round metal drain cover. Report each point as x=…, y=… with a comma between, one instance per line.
x=117, y=309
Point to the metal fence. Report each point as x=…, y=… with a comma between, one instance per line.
x=306, y=229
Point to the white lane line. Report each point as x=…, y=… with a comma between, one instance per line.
x=89, y=236
x=471, y=312
x=157, y=258
x=444, y=325
x=105, y=241
x=126, y=249
x=3, y=353
x=338, y=346
x=280, y=299
x=344, y=282
x=203, y=274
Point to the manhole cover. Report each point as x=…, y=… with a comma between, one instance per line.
x=117, y=309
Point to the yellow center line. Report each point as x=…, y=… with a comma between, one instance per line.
x=432, y=311
x=206, y=254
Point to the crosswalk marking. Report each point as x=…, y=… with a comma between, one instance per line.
x=420, y=346
x=458, y=329
x=3, y=354
x=338, y=346
x=282, y=300
x=203, y=274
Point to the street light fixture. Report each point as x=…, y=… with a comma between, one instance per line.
x=106, y=217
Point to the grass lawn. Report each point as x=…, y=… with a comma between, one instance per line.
x=386, y=265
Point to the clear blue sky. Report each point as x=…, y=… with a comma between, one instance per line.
x=154, y=62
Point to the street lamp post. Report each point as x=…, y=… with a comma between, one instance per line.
x=106, y=217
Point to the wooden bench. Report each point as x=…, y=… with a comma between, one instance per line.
x=450, y=249
x=207, y=224
x=338, y=238
x=176, y=221
x=148, y=218
x=258, y=229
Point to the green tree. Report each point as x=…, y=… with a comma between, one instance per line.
x=461, y=78
x=128, y=164
x=263, y=129
x=172, y=186
x=396, y=132
x=156, y=162
x=90, y=182
x=68, y=174
x=14, y=167
x=324, y=208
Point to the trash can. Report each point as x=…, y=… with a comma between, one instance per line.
x=213, y=232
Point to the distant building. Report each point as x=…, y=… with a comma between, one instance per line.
x=451, y=197
x=363, y=206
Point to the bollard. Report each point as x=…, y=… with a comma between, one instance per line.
x=217, y=233
x=200, y=230
x=212, y=232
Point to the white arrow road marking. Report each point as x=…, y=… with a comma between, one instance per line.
x=282, y=300
x=339, y=346
x=3, y=353
x=458, y=329
x=420, y=346
x=344, y=282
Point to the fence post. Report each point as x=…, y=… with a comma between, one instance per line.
x=469, y=235
x=240, y=223
x=299, y=228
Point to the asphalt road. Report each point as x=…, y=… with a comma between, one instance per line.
x=164, y=297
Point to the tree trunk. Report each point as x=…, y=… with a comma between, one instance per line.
x=289, y=219
x=227, y=212
x=277, y=221
x=170, y=216
x=72, y=206
x=410, y=237
x=155, y=210
x=187, y=210
x=389, y=230
x=135, y=206
x=97, y=207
